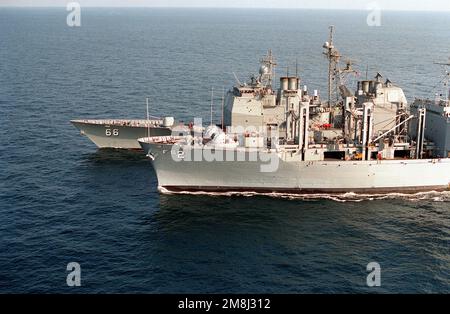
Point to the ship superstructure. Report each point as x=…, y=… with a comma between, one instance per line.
x=376, y=114
x=437, y=117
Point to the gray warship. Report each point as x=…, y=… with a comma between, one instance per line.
x=120, y=133
x=123, y=133
x=289, y=140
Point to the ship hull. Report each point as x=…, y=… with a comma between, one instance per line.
x=298, y=177
x=120, y=134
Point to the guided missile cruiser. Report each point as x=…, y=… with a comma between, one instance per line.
x=123, y=133
x=288, y=140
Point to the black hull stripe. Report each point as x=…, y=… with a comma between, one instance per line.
x=384, y=190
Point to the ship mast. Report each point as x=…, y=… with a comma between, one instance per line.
x=333, y=57
x=335, y=74
x=148, y=119
x=211, y=109
x=330, y=64
x=223, y=102
x=267, y=70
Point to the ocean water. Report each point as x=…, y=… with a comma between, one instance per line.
x=62, y=200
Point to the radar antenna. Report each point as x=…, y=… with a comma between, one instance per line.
x=343, y=74
x=446, y=80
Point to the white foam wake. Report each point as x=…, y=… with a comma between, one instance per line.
x=433, y=196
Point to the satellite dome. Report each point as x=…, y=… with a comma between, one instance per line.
x=263, y=70
x=219, y=138
x=212, y=131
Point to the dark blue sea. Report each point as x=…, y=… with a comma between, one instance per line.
x=62, y=200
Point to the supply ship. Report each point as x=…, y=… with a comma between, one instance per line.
x=288, y=140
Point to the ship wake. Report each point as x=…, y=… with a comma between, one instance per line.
x=432, y=196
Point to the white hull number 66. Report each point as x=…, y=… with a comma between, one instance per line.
x=114, y=132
